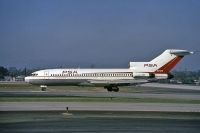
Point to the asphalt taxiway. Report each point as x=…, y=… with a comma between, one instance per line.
x=98, y=106
x=172, y=86
x=189, y=96
x=159, y=92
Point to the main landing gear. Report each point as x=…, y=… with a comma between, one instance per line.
x=112, y=88
x=43, y=87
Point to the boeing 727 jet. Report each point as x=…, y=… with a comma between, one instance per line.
x=111, y=79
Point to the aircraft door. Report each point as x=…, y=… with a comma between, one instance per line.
x=46, y=75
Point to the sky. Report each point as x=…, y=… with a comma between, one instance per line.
x=98, y=33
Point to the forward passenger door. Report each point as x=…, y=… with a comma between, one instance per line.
x=46, y=75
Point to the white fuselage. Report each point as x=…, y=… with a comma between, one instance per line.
x=78, y=76
x=158, y=68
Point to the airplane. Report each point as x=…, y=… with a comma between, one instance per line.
x=111, y=79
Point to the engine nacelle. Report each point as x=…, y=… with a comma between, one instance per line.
x=143, y=75
x=161, y=76
x=164, y=76
x=151, y=75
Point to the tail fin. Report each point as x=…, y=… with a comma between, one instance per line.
x=161, y=64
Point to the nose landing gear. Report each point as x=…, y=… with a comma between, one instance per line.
x=43, y=87
x=112, y=88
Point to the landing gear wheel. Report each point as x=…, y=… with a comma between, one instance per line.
x=109, y=88
x=115, y=89
x=43, y=87
x=112, y=88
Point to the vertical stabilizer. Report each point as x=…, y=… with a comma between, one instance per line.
x=162, y=63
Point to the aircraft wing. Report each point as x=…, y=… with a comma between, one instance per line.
x=118, y=82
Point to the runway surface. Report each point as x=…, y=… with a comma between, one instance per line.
x=173, y=86
x=190, y=94
x=98, y=106
x=193, y=96
x=99, y=122
x=102, y=117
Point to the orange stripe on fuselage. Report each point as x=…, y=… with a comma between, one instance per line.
x=167, y=67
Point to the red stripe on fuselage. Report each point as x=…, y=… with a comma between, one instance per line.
x=167, y=67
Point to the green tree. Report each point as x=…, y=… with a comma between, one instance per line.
x=3, y=72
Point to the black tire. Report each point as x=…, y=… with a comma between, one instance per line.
x=109, y=88
x=43, y=89
x=115, y=89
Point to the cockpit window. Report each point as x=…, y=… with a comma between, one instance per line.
x=34, y=74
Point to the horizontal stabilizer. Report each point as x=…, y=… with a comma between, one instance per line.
x=180, y=52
